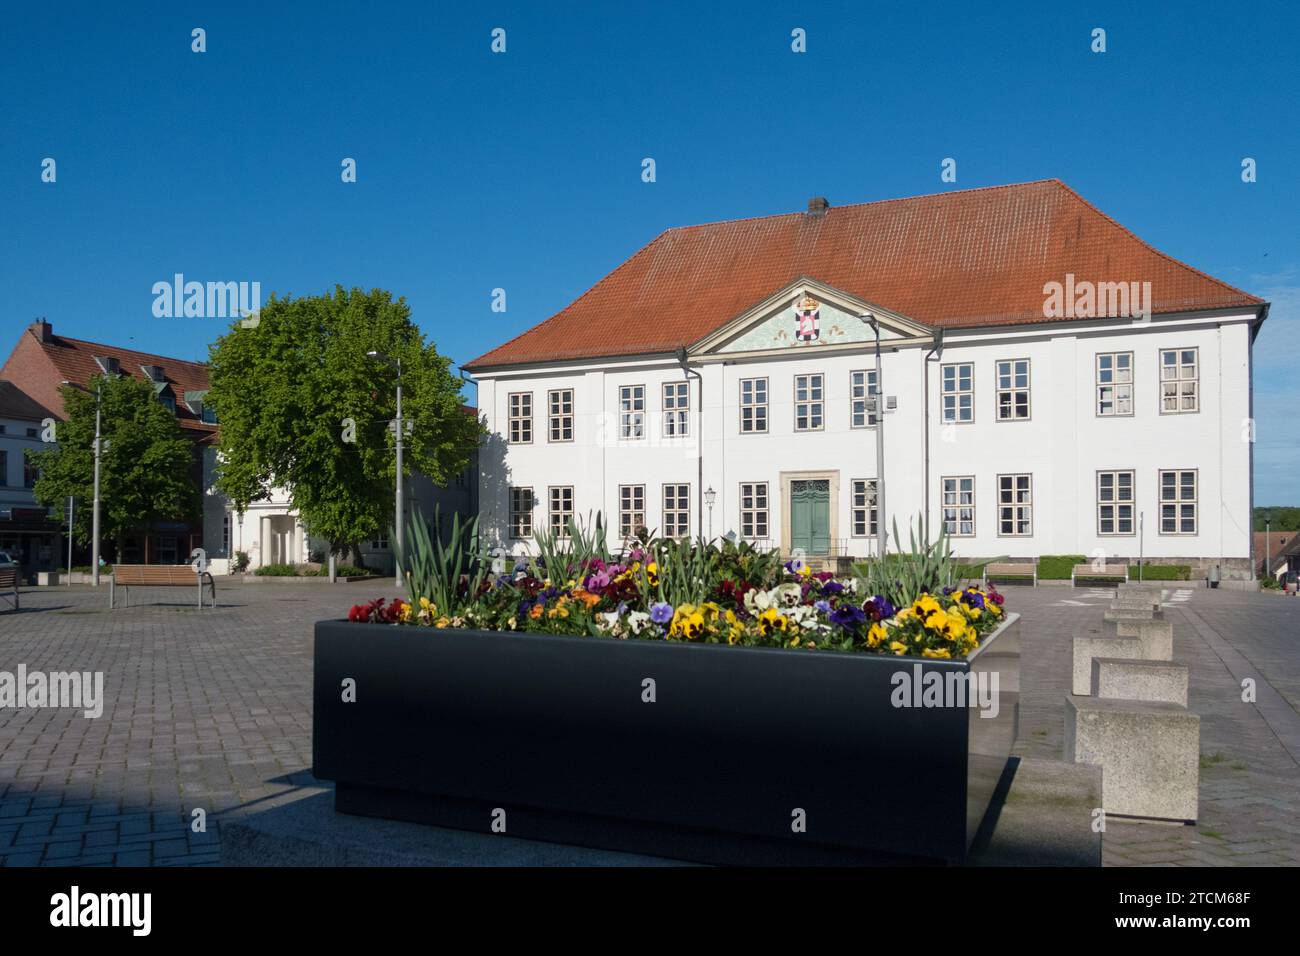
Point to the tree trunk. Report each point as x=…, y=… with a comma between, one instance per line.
x=357, y=560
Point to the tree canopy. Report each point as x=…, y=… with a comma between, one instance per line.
x=303, y=408
x=146, y=469
x=1281, y=517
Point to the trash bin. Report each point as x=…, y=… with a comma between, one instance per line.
x=1214, y=576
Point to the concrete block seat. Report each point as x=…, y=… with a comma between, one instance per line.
x=1149, y=752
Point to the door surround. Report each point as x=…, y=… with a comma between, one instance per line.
x=833, y=479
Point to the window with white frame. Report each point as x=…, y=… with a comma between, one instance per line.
x=1115, y=502
x=753, y=405
x=958, y=392
x=379, y=543
x=864, y=508
x=677, y=511
x=521, y=418
x=1179, y=381
x=521, y=512
x=959, y=506
x=1013, y=389
x=808, y=402
x=677, y=409
x=560, y=401
x=862, y=384
x=561, y=510
x=1114, y=383
x=1178, y=502
x=1015, y=505
x=631, y=509
x=753, y=510
x=631, y=411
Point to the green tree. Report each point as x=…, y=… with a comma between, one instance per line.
x=146, y=469
x=1283, y=517
x=304, y=409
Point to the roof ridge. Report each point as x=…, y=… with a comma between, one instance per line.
x=872, y=202
x=119, y=348
x=1163, y=255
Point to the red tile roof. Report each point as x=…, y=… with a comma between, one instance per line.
x=1276, y=541
x=958, y=259
x=74, y=360
x=17, y=405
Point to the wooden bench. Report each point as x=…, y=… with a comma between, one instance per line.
x=1012, y=571
x=9, y=587
x=1108, y=572
x=158, y=576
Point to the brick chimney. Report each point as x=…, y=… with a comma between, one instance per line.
x=43, y=331
x=818, y=205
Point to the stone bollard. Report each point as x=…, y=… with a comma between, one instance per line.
x=1149, y=753
x=1117, y=678
x=1086, y=648
x=1155, y=636
x=1141, y=601
x=1132, y=614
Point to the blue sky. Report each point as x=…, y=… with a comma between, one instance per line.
x=522, y=171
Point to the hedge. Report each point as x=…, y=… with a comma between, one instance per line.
x=1058, y=567
x=1161, y=572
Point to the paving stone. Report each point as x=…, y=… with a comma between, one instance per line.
x=213, y=709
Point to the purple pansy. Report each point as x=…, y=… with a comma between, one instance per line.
x=847, y=616
x=878, y=608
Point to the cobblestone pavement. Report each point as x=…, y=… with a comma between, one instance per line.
x=211, y=710
x=1250, y=781
x=205, y=710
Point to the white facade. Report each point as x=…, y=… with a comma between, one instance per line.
x=1062, y=446
x=271, y=532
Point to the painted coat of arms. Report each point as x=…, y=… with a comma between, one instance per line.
x=807, y=318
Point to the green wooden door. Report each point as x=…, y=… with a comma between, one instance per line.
x=810, y=516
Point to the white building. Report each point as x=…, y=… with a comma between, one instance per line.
x=1053, y=386
x=27, y=534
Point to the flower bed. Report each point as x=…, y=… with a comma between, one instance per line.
x=800, y=609
x=699, y=727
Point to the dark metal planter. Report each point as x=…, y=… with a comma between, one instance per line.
x=449, y=726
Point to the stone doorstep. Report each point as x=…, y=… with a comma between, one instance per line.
x=1086, y=648
x=1115, y=678
x=1149, y=753
x=1156, y=637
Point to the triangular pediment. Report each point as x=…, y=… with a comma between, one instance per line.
x=808, y=315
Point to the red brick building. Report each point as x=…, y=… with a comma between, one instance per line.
x=41, y=362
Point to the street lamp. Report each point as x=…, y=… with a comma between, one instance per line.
x=682, y=360
x=398, y=519
x=882, y=537
x=99, y=446
x=1268, y=551
x=710, y=497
